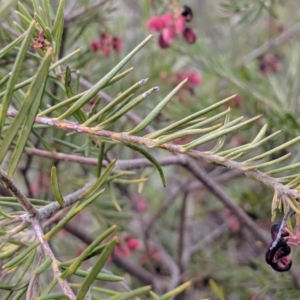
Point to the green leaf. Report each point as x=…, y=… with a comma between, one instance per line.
x=58, y=296
x=127, y=107
x=132, y=294
x=220, y=143
x=24, y=11
x=100, y=84
x=100, y=158
x=83, y=256
x=154, y=113
x=150, y=158
x=218, y=134
x=71, y=215
x=267, y=164
x=274, y=150
x=175, y=291
x=15, y=73
x=183, y=133
x=76, y=97
x=4, y=79
x=187, y=119
x=33, y=97
x=96, y=268
x=100, y=180
x=68, y=82
x=58, y=27
x=45, y=265
x=55, y=187
x=100, y=276
x=116, y=101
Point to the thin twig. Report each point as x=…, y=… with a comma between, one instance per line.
x=33, y=290
x=13, y=231
x=182, y=230
x=49, y=210
x=48, y=252
x=22, y=199
x=125, y=164
x=284, y=36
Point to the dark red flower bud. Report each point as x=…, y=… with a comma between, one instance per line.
x=116, y=44
x=95, y=46
x=189, y=35
x=187, y=13
x=161, y=42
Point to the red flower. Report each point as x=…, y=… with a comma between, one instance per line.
x=106, y=43
x=170, y=27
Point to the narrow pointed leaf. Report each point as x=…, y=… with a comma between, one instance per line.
x=128, y=107
x=184, y=133
x=267, y=164
x=150, y=158
x=218, y=134
x=82, y=257
x=76, y=97
x=274, y=150
x=132, y=294
x=55, y=187
x=188, y=118
x=34, y=96
x=100, y=180
x=100, y=158
x=113, y=197
x=24, y=11
x=116, y=101
x=10, y=46
x=15, y=73
x=153, y=114
x=287, y=168
x=96, y=268
x=45, y=265
x=71, y=215
x=4, y=79
x=68, y=82
x=220, y=143
x=58, y=27
x=175, y=291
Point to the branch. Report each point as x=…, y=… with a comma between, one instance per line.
x=48, y=252
x=269, y=181
x=125, y=164
x=48, y=210
x=22, y=199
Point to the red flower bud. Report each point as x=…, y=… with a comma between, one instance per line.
x=189, y=35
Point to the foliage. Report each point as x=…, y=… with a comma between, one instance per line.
x=89, y=193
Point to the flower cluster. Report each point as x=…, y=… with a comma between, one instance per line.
x=269, y=63
x=171, y=26
x=106, y=43
x=126, y=245
x=193, y=80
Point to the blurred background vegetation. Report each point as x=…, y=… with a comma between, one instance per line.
x=249, y=48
